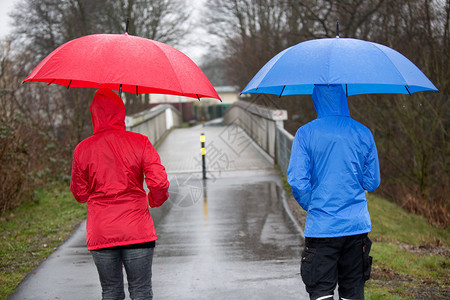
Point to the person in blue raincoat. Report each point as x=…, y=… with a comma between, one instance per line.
x=333, y=162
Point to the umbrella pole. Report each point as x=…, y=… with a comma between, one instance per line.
x=126, y=32
x=337, y=29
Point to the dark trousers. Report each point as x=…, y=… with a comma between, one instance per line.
x=342, y=261
x=138, y=266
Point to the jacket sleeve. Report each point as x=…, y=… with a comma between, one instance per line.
x=155, y=176
x=299, y=174
x=371, y=176
x=79, y=185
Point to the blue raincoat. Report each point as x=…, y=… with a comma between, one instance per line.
x=333, y=161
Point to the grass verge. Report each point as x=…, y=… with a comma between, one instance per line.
x=411, y=258
x=32, y=232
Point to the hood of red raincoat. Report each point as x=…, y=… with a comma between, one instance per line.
x=107, y=111
x=330, y=100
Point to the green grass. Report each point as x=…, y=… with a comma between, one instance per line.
x=410, y=256
x=32, y=232
x=393, y=224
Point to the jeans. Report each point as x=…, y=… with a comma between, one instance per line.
x=138, y=266
x=327, y=262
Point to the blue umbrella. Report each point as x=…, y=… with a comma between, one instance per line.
x=361, y=67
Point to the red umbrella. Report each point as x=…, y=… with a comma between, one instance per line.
x=123, y=62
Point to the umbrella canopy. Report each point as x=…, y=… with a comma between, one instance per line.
x=123, y=62
x=361, y=67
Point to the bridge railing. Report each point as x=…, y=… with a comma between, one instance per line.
x=265, y=127
x=154, y=123
x=284, y=145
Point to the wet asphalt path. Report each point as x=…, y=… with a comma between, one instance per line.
x=235, y=242
x=229, y=236
x=226, y=237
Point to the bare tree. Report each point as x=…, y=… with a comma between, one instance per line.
x=17, y=138
x=252, y=32
x=165, y=20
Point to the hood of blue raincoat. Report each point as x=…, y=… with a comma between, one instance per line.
x=330, y=100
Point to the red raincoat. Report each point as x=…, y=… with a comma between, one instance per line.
x=108, y=173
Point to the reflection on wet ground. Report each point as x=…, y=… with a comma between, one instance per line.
x=227, y=238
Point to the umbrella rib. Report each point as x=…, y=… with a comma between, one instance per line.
x=406, y=87
x=282, y=91
x=51, y=82
x=395, y=67
x=171, y=66
x=137, y=93
x=68, y=86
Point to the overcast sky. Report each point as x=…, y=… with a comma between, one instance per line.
x=5, y=7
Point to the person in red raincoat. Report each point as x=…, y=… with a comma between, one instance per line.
x=108, y=173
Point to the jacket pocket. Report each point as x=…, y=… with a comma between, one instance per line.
x=307, y=268
x=367, y=259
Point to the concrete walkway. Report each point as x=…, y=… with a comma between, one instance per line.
x=227, y=237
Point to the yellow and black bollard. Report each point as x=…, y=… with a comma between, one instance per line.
x=203, y=152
